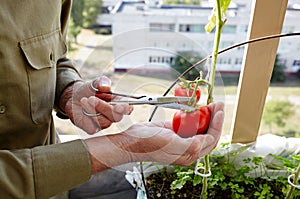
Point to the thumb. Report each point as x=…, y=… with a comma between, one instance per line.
x=103, y=84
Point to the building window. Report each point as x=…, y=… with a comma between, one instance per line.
x=229, y=29
x=224, y=61
x=161, y=59
x=241, y=47
x=210, y=45
x=282, y=62
x=238, y=61
x=288, y=29
x=192, y=28
x=105, y=9
x=162, y=27
x=244, y=28
x=226, y=44
x=296, y=63
x=284, y=46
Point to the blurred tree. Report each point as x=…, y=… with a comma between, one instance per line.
x=83, y=15
x=184, y=60
x=76, y=20
x=278, y=71
x=92, y=8
x=77, y=12
x=73, y=31
x=277, y=112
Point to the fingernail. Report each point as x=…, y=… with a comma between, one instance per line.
x=104, y=81
x=119, y=109
x=91, y=99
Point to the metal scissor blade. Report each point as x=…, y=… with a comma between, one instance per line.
x=152, y=100
x=125, y=95
x=178, y=106
x=172, y=102
x=176, y=99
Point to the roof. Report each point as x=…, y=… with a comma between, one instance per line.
x=127, y=6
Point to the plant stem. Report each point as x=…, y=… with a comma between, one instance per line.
x=292, y=188
x=197, y=83
x=219, y=26
x=204, y=181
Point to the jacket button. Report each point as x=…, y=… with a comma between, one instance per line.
x=2, y=109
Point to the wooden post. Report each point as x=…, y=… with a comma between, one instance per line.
x=267, y=17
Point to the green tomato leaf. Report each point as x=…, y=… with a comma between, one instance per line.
x=212, y=21
x=296, y=157
x=197, y=180
x=177, y=184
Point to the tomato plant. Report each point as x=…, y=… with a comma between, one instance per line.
x=187, y=119
x=187, y=91
x=190, y=123
x=187, y=124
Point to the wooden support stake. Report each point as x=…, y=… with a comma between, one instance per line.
x=266, y=19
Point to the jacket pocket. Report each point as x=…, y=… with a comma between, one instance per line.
x=42, y=53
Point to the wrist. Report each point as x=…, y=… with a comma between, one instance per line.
x=108, y=151
x=67, y=94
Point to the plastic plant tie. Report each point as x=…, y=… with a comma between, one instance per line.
x=291, y=183
x=197, y=168
x=135, y=179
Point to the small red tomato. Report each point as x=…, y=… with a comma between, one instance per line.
x=188, y=124
x=185, y=92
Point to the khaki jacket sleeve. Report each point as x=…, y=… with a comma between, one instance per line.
x=43, y=171
x=66, y=71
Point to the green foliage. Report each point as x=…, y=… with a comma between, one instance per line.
x=278, y=71
x=291, y=165
x=83, y=15
x=92, y=8
x=77, y=12
x=227, y=180
x=185, y=60
x=288, y=163
x=76, y=21
x=277, y=112
x=224, y=4
x=85, y=12
x=73, y=31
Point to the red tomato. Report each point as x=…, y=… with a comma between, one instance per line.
x=182, y=91
x=188, y=124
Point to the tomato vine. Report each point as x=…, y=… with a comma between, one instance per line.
x=295, y=176
x=218, y=21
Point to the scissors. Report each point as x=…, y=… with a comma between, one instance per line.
x=172, y=102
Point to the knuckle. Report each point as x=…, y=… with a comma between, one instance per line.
x=106, y=124
x=117, y=117
x=90, y=131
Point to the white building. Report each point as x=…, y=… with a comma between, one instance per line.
x=149, y=35
x=104, y=20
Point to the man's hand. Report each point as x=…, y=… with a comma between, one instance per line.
x=81, y=97
x=156, y=142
